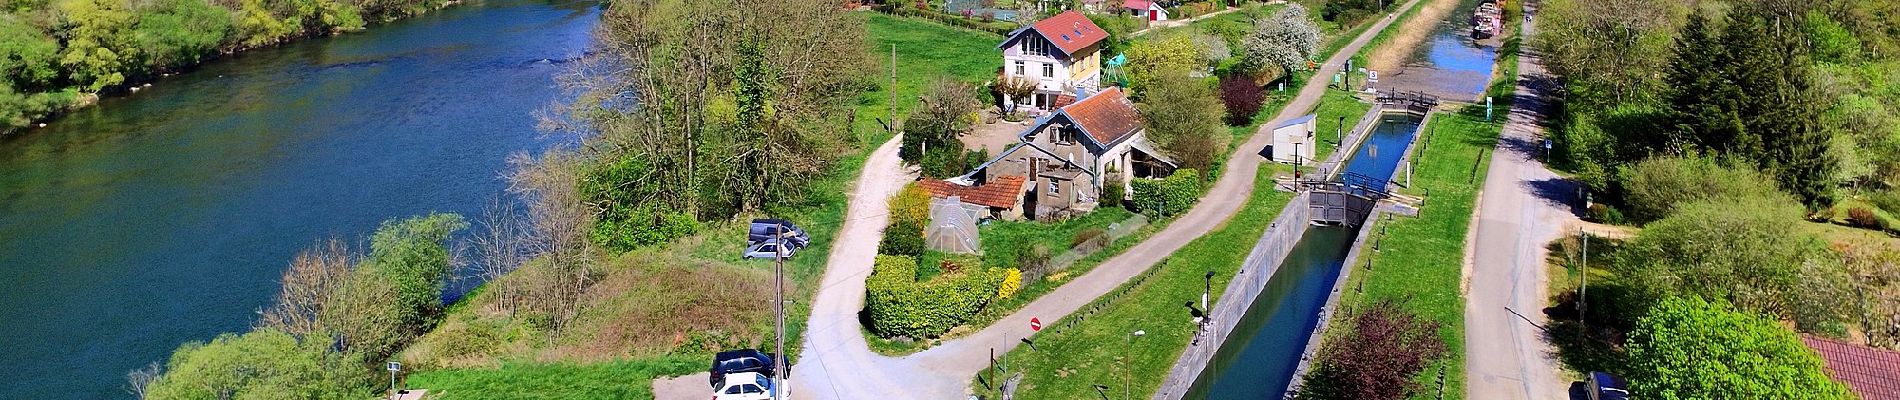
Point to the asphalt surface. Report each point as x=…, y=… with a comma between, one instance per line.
x=838, y=364
x=1523, y=207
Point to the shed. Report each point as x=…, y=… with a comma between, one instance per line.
x=1146, y=9
x=1293, y=140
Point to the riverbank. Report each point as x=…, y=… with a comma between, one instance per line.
x=66, y=58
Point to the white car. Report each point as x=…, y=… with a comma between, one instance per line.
x=745, y=386
x=769, y=249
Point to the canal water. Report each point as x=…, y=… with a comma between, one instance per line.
x=1450, y=64
x=1258, y=358
x=167, y=216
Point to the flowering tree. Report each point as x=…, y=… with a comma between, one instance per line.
x=1286, y=40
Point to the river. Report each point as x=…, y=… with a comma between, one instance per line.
x=166, y=216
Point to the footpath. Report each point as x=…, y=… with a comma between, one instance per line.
x=837, y=362
x=1506, y=355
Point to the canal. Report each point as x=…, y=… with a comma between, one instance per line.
x=167, y=216
x=1258, y=358
x=1450, y=64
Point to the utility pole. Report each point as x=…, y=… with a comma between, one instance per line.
x=1582, y=304
x=778, y=360
x=892, y=105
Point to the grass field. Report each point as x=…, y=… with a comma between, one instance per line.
x=614, y=349
x=1067, y=362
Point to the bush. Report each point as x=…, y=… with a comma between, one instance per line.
x=1169, y=196
x=1012, y=282
x=1655, y=186
x=1033, y=260
x=899, y=305
x=1377, y=358
x=902, y=240
x=1747, y=251
x=260, y=364
x=1604, y=214
x=1692, y=349
x=1862, y=217
x=1242, y=97
x=911, y=206
x=1085, y=235
x=1184, y=118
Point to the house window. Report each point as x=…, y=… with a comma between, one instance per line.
x=1048, y=70
x=1034, y=45
x=1055, y=188
x=1020, y=71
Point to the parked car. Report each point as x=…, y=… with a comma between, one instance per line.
x=745, y=386
x=769, y=249
x=739, y=361
x=764, y=229
x=1604, y=386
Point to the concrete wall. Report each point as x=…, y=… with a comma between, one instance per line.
x=1267, y=255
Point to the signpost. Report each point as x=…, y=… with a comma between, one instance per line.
x=393, y=368
x=1035, y=324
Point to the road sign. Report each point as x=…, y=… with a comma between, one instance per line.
x=394, y=366
x=1035, y=324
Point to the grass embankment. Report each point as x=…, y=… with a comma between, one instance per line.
x=1421, y=259
x=661, y=311
x=1069, y=360
x=1405, y=24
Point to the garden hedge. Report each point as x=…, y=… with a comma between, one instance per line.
x=1169, y=196
x=899, y=305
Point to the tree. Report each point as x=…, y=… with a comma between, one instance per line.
x=1609, y=51
x=1184, y=118
x=1242, y=97
x=1213, y=49
x=1687, y=348
x=1286, y=40
x=100, y=50
x=1748, y=251
x=309, y=287
x=1377, y=358
x=176, y=33
x=28, y=57
x=1772, y=65
x=1015, y=89
x=1169, y=55
x=931, y=133
x=1702, y=101
x=688, y=101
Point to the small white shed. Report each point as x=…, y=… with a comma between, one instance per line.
x=1293, y=140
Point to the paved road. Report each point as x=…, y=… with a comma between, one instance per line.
x=836, y=362
x=1523, y=207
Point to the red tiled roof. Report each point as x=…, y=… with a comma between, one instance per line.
x=1136, y=4
x=1107, y=116
x=1872, y=373
x=1001, y=192
x=1070, y=31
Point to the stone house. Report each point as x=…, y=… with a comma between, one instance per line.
x=1068, y=158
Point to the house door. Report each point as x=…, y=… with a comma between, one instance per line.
x=1153, y=15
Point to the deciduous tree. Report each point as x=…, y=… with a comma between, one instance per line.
x=1686, y=348
x=1382, y=350
x=1286, y=40
x=1184, y=118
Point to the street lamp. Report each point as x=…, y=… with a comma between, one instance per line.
x=1128, y=388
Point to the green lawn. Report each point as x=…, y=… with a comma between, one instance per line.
x=1067, y=362
x=925, y=51
x=1338, y=111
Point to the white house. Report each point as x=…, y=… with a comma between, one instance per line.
x=1146, y=9
x=1293, y=140
x=1061, y=53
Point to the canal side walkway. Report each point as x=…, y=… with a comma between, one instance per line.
x=838, y=363
x=1506, y=355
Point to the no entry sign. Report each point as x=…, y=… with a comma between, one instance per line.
x=1035, y=324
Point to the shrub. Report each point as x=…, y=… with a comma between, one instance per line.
x=1377, y=358
x=1184, y=118
x=1655, y=186
x=1012, y=282
x=1692, y=349
x=1750, y=252
x=902, y=240
x=1602, y=213
x=899, y=305
x=1169, y=196
x=1863, y=217
x=260, y=364
x=1243, y=98
x=1033, y=260
x=1085, y=235
x=911, y=206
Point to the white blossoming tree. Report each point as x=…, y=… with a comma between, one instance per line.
x=1287, y=39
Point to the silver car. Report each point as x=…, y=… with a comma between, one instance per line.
x=770, y=249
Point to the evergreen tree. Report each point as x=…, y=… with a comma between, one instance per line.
x=1782, y=105
x=1702, y=100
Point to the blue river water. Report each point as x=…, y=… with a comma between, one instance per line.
x=1258, y=358
x=167, y=216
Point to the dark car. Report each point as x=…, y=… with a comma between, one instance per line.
x=1604, y=386
x=764, y=229
x=742, y=360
